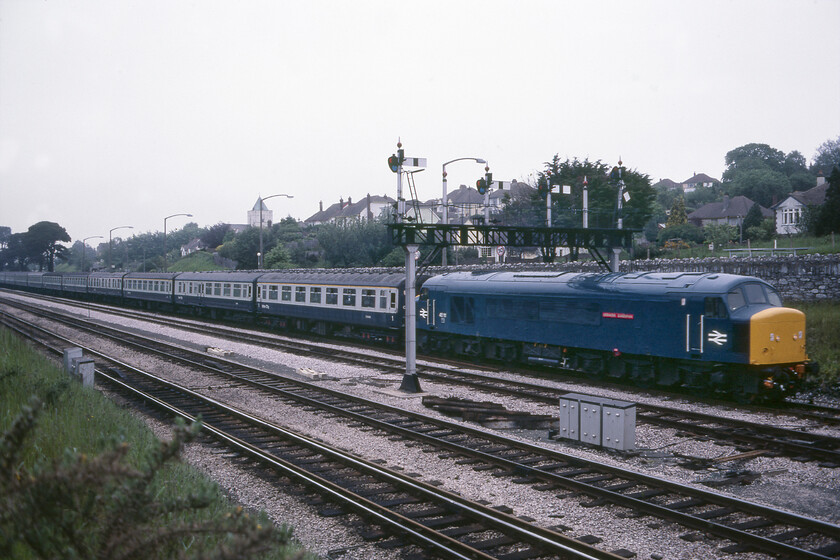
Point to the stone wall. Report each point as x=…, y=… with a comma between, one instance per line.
x=798, y=278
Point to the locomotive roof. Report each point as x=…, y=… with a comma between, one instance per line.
x=107, y=274
x=623, y=282
x=220, y=276
x=392, y=279
x=152, y=275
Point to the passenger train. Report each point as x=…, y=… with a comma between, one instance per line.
x=706, y=332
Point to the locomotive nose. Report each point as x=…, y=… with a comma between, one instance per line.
x=777, y=336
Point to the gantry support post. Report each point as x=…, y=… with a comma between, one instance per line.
x=410, y=382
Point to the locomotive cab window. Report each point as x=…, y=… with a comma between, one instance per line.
x=715, y=308
x=736, y=299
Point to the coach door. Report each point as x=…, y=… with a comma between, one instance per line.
x=426, y=308
x=694, y=326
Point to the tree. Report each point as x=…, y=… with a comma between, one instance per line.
x=361, y=243
x=720, y=234
x=829, y=213
x=753, y=218
x=760, y=185
x=677, y=216
x=42, y=243
x=278, y=258
x=243, y=249
x=752, y=156
x=15, y=256
x=827, y=157
x=5, y=234
x=214, y=236
x=603, y=193
x=686, y=232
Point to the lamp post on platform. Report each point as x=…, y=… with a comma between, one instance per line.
x=445, y=201
x=261, y=254
x=165, y=267
x=84, y=247
x=110, y=239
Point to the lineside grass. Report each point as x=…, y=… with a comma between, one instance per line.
x=72, y=428
x=822, y=337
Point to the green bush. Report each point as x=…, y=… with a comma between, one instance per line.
x=80, y=478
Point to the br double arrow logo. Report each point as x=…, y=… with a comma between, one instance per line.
x=717, y=337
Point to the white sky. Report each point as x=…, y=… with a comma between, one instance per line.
x=120, y=112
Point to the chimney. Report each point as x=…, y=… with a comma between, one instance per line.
x=349, y=201
x=369, y=212
x=341, y=202
x=820, y=178
x=321, y=205
x=725, y=202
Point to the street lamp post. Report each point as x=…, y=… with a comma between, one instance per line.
x=445, y=201
x=261, y=254
x=110, y=237
x=165, y=267
x=84, y=247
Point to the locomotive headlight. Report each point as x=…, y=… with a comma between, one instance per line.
x=772, y=337
x=801, y=336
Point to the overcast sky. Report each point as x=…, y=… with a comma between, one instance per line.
x=120, y=112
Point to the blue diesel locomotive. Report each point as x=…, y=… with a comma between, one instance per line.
x=709, y=332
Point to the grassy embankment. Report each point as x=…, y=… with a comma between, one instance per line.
x=56, y=471
x=822, y=338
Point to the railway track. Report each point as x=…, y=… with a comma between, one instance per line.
x=401, y=509
x=747, y=525
x=757, y=437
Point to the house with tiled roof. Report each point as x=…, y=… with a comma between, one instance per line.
x=789, y=211
x=192, y=247
x=369, y=208
x=667, y=184
x=696, y=181
x=731, y=211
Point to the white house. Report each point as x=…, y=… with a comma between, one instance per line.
x=789, y=211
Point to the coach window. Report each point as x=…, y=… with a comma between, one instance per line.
x=393, y=300
x=273, y=293
x=383, y=299
x=237, y=290
x=368, y=298
x=315, y=294
x=332, y=296
x=226, y=291
x=715, y=308
x=349, y=297
x=286, y=293
x=300, y=294
x=217, y=288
